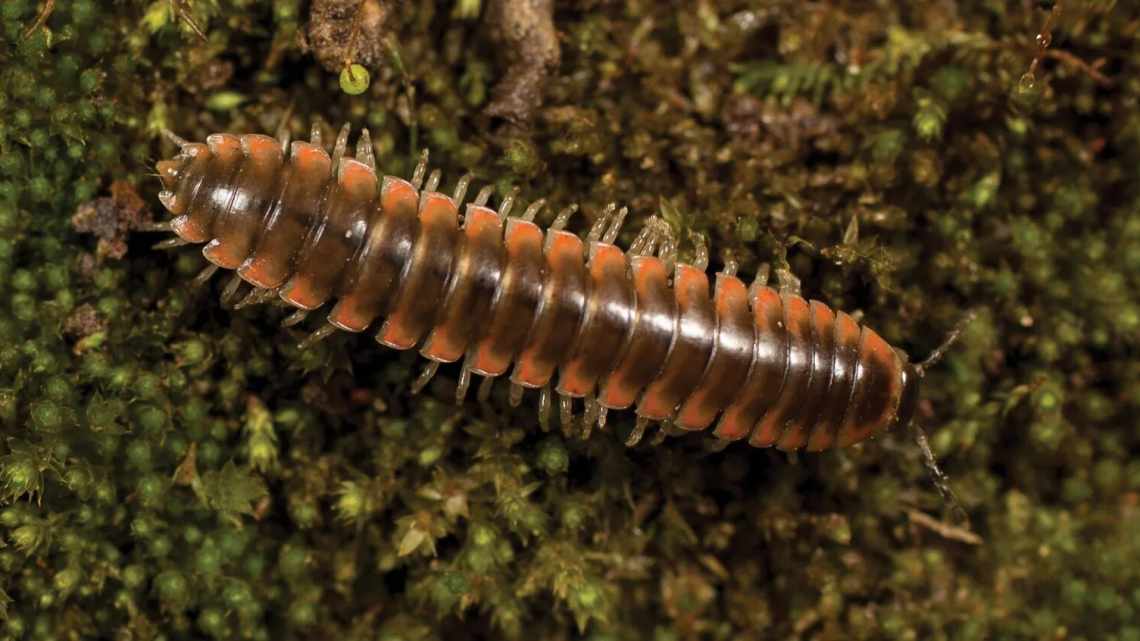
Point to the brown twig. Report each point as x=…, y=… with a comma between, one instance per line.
x=41, y=18
x=528, y=45
x=176, y=8
x=1045, y=38
x=341, y=33
x=945, y=530
x=1093, y=70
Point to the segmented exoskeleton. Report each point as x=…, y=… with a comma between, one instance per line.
x=579, y=317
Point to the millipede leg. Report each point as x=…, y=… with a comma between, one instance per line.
x=664, y=229
x=646, y=240
x=563, y=217
x=638, y=432
x=787, y=282
x=602, y=411
x=516, y=394
x=315, y=134
x=589, y=416
x=464, y=382
x=533, y=210
x=565, y=412
x=667, y=250
x=170, y=243
x=508, y=203
x=700, y=251
x=317, y=336
x=365, y=153
x=851, y=234
x=156, y=227
x=295, y=317
x=266, y=296
x=461, y=189
x=615, y=226
x=230, y=292
x=730, y=267
x=204, y=275
x=283, y=136
x=544, y=408
x=256, y=297
x=658, y=436
x=714, y=445
x=175, y=139
x=433, y=180
x=420, y=170
x=762, y=275
x=599, y=226
x=485, y=385
x=484, y=196
x=340, y=145
x=425, y=376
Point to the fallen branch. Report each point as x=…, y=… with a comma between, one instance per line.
x=945, y=530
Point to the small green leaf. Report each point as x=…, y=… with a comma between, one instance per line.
x=410, y=541
x=156, y=16
x=231, y=491
x=225, y=100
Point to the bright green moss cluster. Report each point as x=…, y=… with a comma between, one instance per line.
x=171, y=470
x=60, y=117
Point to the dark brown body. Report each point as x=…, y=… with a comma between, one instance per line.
x=586, y=317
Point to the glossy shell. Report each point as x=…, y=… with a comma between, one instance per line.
x=544, y=306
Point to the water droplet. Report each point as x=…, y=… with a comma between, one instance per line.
x=1044, y=39
x=1028, y=82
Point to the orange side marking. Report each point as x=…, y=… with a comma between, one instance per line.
x=262, y=155
x=795, y=435
x=192, y=226
x=736, y=423
x=562, y=250
x=307, y=159
x=356, y=179
x=397, y=198
x=437, y=211
x=262, y=147
x=649, y=276
x=177, y=199
x=689, y=284
x=574, y=380
x=521, y=237
x=881, y=373
x=696, y=414
x=356, y=183
x=445, y=344
x=846, y=336
x=796, y=317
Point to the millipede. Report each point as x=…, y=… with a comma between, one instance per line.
x=572, y=317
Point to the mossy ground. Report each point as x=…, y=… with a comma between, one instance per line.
x=171, y=470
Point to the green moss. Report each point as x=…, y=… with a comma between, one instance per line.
x=183, y=471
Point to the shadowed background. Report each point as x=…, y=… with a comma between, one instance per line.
x=171, y=470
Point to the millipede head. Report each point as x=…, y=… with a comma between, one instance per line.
x=169, y=171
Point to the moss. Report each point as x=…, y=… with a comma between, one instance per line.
x=170, y=469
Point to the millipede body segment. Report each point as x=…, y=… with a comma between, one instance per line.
x=620, y=329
